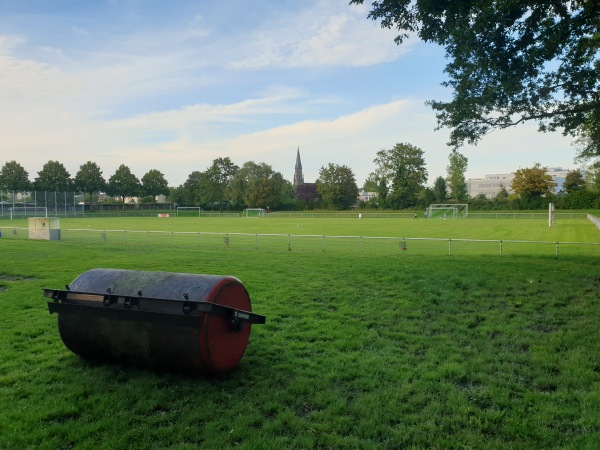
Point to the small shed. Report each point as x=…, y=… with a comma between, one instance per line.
x=44, y=228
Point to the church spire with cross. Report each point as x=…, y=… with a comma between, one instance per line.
x=298, y=177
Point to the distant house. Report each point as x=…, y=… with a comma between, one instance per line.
x=365, y=196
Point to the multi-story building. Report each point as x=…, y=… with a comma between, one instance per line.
x=491, y=184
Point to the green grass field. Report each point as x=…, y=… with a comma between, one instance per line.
x=383, y=351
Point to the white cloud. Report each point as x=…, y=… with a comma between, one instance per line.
x=26, y=80
x=320, y=35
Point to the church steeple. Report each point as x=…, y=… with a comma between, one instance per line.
x=298, y=177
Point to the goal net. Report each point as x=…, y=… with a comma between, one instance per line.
x=254, y=212
x=19, y=212
x=189, y=211
x=448, y=211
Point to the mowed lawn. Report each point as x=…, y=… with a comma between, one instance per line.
x=358, y=352
x=564, y=230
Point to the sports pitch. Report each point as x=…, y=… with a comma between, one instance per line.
x=384, y=351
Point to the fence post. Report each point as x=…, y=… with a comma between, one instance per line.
x=557, y=248
x=323, y=243
x=449, y=246
x=500, y=247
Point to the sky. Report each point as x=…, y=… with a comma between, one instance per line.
x=173, y=85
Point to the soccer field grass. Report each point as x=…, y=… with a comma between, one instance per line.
x=358, y=352
x=564, y=230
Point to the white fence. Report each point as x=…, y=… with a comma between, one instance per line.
x=369, y=214
x=362, y=245
x=595, y=220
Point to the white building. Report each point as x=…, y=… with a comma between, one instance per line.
x=365, y=196
x=491, y=184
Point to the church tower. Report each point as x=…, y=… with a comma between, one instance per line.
x=298, y=177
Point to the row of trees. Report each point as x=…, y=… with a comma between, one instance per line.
x=399, y=180
x=255, y=185
x=399, y=177
x=89, y=180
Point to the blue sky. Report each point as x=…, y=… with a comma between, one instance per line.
x=173, y=85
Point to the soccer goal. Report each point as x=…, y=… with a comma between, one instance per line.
x=189, y=211
x=254, y=212
x=448, y=211
x=19, y=212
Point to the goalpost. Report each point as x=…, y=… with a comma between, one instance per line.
x=28, y=211
x=550, y=214
x=254, y=212
x=188, y=211
x=448, y=210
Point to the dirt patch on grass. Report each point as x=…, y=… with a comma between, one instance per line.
x=8, y=277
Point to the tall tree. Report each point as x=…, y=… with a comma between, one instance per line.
x=455, y=172
x=509, y=62
x=89, y=179
x=257, y=186
x=371, y=184
x=440, y=190
x=402, y=175
x=336, y=185
x=123, y=184
x=154, y=184
x=216, y=179
x=574, y=181
x=177, y=195
x=14, y=177
x=192, y=188
x=426, y=197
x=533, y=182
x=53, y=177
x=592, y=177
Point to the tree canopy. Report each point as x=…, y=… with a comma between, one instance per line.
x=89, y=179
x=53, y=177
x=154, y=184
x=456, y=176
x=14, y=177
x=401, y=174
x=533, y=182
x=257, y=185
x=215, y=179
x=510, y=62
x=574, y=181
x=337, y=186
x=440, y=190
x=123, y=183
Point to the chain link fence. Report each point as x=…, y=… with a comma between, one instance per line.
x=16, y=205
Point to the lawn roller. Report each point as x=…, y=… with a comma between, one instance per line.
x=190, y=322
